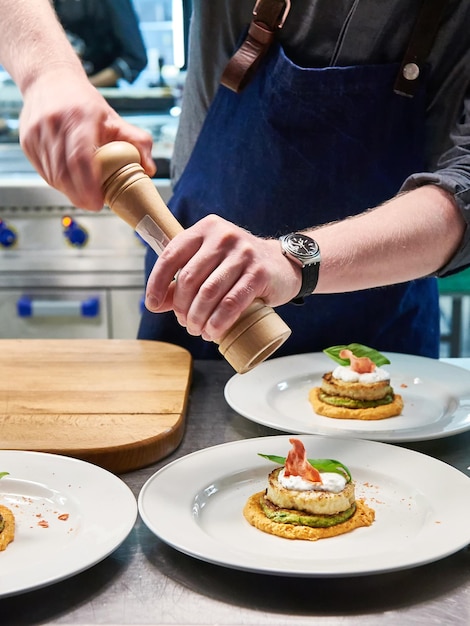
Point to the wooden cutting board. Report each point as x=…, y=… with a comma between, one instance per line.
x=118, y=403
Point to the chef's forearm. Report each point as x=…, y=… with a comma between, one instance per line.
x=32, y=41
x=411, y=236
x=105, y=78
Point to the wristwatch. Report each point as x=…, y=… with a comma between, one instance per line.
x=304, y=251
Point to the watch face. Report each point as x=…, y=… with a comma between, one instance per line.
x=302, y=246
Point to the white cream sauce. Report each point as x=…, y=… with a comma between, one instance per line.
x=346, y=374
x=330, y=482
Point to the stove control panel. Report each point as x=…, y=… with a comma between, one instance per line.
x=75, y=234
x=40, y=231
x=8, y=235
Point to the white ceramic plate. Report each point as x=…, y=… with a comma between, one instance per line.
x=69, y=515
x=195, y=505
x=275, y=394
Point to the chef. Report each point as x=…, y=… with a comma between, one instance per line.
x=323, y=148
x=354, y=103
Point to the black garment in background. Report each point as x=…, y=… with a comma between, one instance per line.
x=109, y=30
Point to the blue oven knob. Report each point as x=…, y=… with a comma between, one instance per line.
x=76, y=235
x=8, y=235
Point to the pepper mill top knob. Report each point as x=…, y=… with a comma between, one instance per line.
x=114, y=156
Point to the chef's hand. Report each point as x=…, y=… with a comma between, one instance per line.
x=64, y=119
x=220, y=269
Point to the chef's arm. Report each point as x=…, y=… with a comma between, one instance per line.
x=64, y=117
x=424, y=230
x=222, y=268
x=32, y=41
x=452, y=173
x=105, y=78
x=411, y=236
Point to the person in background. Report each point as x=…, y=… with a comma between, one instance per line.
x=64, y=117
x=106, y=36
x=353, y=127
x=325, y=138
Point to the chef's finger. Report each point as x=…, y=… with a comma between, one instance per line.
x=139, y=138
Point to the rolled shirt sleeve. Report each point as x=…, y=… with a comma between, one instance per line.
x=452, y=173
x=122, y=68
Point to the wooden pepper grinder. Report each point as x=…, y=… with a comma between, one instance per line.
x=131, y=194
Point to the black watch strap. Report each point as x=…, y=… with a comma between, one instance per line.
x=309, y=282
x=303, y=251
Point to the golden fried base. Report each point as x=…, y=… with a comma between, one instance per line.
x=364, y=516
x=341, y=412
x=8, y=533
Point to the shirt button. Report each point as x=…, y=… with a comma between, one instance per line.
x=411, y=71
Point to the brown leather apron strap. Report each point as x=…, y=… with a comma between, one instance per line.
x=422, y=39
x=268, y=17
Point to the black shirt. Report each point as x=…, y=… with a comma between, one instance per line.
x=105, y=33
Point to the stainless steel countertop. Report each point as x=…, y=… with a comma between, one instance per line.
x=148, y=582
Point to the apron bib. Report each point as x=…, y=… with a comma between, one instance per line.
x=300, y=147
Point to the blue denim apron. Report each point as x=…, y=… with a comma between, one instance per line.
x=301, y=147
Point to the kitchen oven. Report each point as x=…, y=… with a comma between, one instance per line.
x=64, y=272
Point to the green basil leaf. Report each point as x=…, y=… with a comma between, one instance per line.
x=330, y=465
x=275, y=459
x=322, y=465
x=2, y=474
x=358, y=350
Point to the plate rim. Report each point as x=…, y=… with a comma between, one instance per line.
x=389, y=436
x=190, y=550
x=104, y=478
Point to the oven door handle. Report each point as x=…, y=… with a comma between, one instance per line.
x=30, y=307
